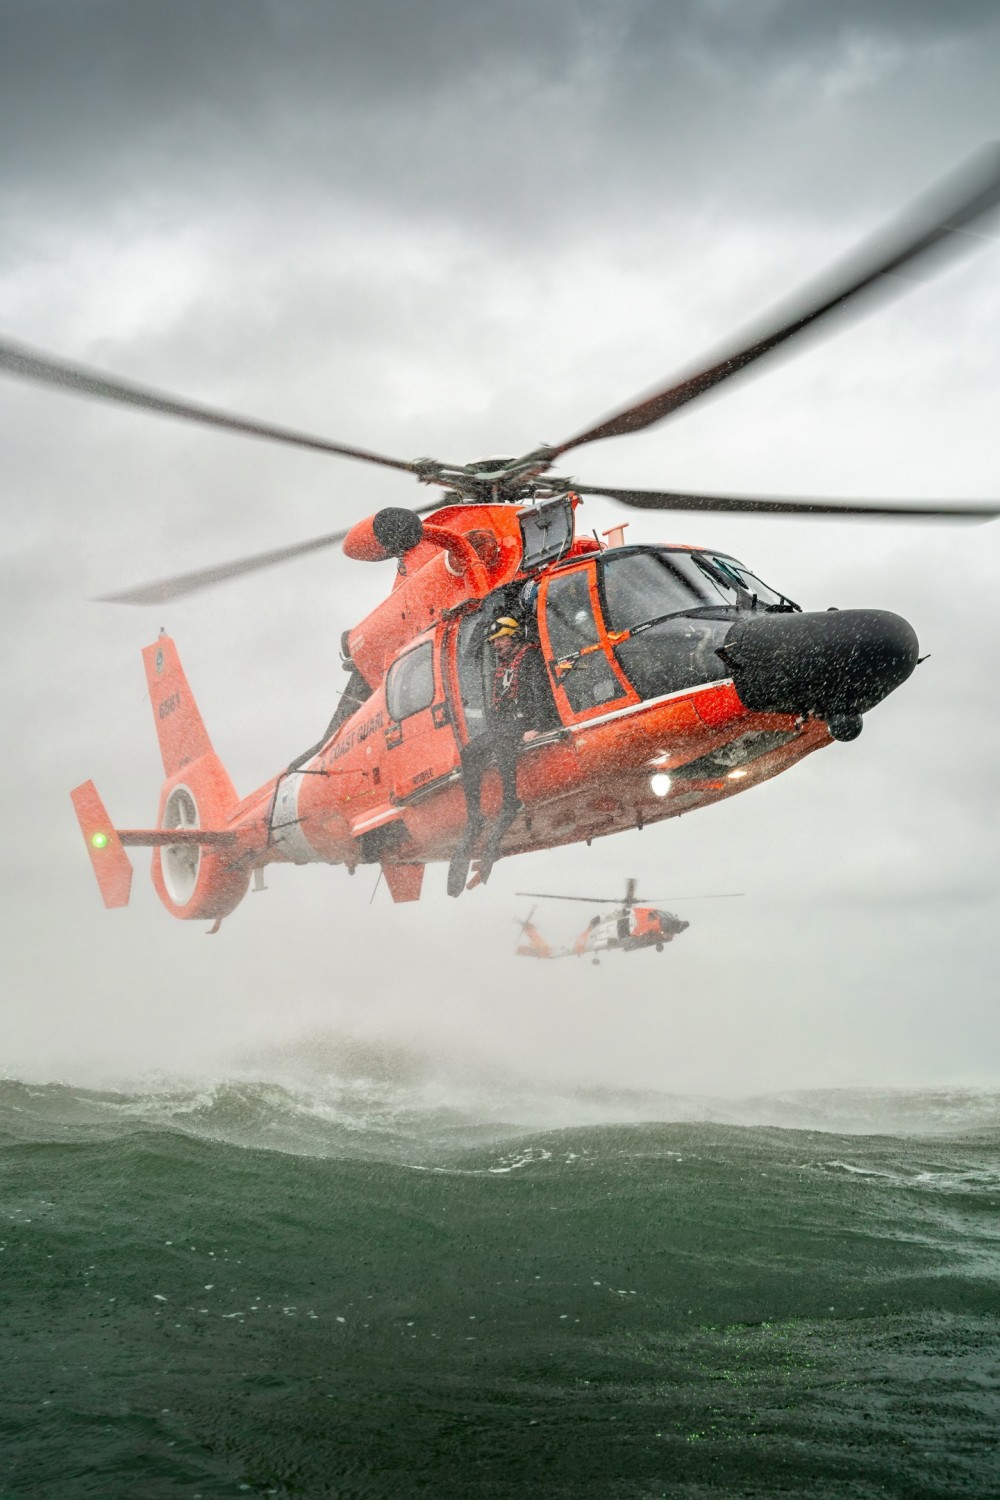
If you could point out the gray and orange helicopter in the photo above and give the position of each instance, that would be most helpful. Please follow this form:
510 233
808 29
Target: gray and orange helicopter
636 922
671 676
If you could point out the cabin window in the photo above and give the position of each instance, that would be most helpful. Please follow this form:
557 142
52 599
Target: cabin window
410 684
584 674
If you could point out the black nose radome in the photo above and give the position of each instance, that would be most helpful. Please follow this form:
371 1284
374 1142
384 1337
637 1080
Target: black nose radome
842 661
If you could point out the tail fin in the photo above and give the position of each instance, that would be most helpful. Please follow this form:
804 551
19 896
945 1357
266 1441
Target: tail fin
179 728
193 873
112 865
536 946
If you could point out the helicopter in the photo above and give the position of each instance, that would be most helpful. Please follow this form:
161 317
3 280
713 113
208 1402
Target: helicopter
675 677
633 924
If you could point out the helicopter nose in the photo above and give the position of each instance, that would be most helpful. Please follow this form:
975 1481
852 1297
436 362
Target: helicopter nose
837 664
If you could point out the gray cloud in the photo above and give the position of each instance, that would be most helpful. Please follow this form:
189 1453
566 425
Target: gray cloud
497 115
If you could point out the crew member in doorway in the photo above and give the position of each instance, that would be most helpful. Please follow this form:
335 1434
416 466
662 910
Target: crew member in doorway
511 703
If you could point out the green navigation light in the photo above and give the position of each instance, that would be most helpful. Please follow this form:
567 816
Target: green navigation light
99 840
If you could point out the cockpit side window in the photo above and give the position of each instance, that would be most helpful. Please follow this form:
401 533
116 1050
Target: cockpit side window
410 684
570 613
579 661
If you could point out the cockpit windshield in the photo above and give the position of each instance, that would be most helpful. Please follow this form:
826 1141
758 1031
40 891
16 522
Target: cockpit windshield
668 612
728 577
638 587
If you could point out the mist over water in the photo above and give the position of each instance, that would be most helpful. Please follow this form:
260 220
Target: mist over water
330 1094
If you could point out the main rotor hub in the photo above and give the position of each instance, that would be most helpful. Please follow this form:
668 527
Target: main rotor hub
495 481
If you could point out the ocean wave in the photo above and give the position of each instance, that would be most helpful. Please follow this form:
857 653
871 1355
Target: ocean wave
391 1283
409 1113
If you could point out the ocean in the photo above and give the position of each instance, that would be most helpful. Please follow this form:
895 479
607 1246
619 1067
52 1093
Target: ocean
369 1286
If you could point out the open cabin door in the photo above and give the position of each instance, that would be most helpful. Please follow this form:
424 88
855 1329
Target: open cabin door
420 738
467 652
585 677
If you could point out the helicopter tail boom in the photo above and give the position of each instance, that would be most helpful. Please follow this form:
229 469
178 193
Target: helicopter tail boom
532 944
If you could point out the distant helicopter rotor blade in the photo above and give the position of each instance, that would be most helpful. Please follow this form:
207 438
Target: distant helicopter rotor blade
960 510
936 221
32 364
179 584
631 900
705 896
553 896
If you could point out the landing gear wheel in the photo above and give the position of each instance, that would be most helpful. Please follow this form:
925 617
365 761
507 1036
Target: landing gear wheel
845 726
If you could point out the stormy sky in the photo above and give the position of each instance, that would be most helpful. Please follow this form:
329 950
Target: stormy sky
435 227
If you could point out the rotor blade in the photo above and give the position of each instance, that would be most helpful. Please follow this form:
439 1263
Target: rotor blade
934 221
709 896
550 896
32 364
960 510
634 901
203 578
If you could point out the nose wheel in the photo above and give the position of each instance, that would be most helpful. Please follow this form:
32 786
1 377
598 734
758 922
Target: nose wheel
845 726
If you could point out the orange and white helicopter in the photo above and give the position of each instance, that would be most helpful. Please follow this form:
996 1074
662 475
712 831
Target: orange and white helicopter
635 923
671 676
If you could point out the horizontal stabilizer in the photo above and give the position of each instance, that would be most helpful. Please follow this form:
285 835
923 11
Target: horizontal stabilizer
112 865
158 838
